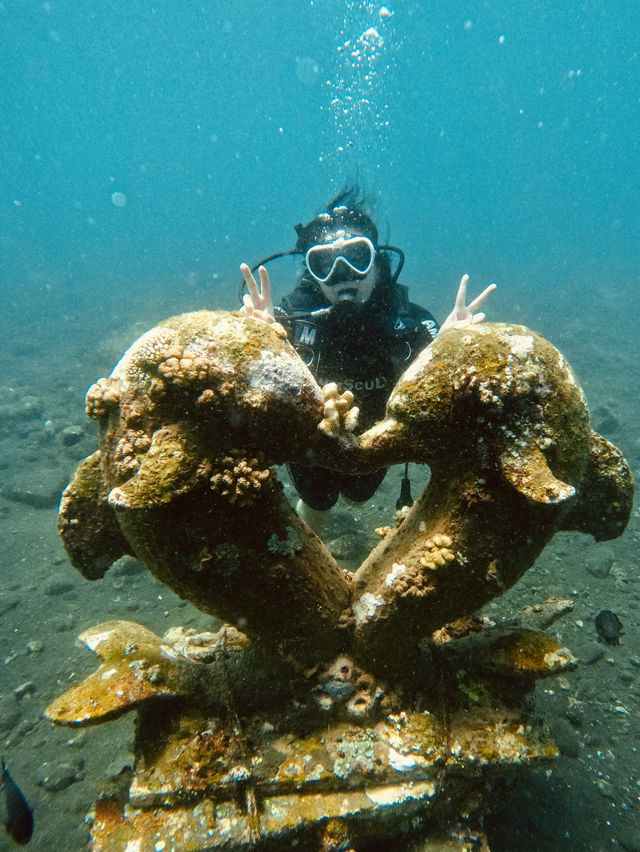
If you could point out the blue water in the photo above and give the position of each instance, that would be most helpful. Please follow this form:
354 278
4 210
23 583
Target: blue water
496 137
148 148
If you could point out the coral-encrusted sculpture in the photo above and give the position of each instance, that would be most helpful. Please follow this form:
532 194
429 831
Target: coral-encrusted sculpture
192 420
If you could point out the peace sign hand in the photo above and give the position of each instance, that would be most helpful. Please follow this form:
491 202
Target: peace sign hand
257 302
462 314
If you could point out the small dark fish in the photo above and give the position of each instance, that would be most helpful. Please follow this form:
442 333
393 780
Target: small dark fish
609 627
18 816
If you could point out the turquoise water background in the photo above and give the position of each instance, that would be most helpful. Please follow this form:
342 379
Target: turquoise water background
148 148
497 138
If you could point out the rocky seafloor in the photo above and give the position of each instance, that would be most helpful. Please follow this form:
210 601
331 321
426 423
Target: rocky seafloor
588 799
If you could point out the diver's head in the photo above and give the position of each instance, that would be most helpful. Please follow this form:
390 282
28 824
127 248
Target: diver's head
340 249
343 266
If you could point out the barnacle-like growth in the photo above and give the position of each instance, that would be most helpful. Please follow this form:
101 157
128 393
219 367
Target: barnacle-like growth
171 486
101 397
340 415
240 479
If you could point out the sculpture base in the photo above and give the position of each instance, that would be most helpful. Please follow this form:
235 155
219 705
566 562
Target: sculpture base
202 785
235 752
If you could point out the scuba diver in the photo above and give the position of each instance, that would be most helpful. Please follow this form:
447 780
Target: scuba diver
353 325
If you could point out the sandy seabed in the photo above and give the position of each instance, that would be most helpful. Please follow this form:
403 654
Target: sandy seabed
589 799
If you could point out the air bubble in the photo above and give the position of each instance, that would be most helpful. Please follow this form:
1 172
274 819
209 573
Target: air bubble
307 70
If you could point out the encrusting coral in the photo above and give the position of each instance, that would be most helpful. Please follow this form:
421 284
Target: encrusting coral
239 478
191 422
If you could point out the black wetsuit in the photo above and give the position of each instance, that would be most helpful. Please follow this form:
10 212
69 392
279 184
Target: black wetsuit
364 348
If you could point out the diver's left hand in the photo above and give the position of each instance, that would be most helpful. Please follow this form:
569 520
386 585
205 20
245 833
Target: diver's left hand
462 314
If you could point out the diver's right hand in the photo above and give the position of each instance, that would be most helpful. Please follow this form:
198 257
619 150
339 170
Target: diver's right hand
257 302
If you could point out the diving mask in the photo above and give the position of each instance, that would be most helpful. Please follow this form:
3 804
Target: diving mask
357 253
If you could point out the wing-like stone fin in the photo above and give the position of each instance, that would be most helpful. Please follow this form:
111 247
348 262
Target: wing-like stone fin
605 496
87 524
527 470
167 470
136 666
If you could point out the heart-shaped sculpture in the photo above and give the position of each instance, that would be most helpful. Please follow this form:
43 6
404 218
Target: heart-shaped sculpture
199 409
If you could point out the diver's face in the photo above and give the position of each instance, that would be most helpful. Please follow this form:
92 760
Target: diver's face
344 267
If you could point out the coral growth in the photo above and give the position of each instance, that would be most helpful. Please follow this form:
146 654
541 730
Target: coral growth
239 479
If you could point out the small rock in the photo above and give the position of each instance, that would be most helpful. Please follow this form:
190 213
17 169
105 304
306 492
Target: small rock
575 711
57 587
71 435
34 646
609 627
565 737
591 653
606 788
62 623
40 494
26 688
8 602
10 713
600 561
58 776
346 546
127 567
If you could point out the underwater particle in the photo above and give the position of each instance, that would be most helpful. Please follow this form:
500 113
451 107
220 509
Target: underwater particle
609 627
371 38
307 70
118 199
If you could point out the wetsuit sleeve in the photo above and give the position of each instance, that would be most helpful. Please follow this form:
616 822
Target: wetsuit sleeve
285 315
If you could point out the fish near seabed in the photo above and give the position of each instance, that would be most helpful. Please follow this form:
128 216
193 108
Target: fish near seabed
16 812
